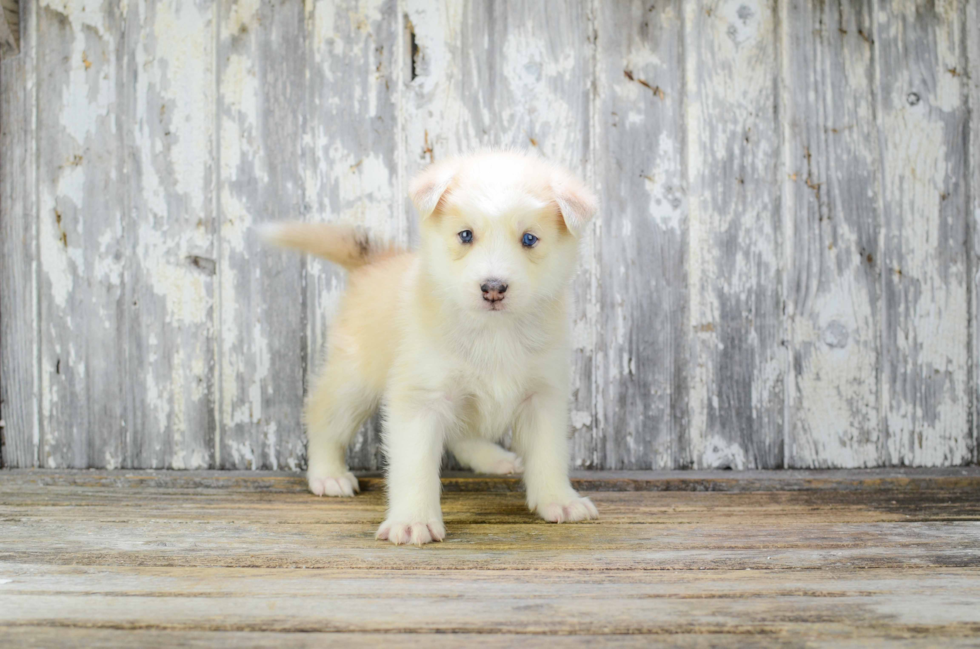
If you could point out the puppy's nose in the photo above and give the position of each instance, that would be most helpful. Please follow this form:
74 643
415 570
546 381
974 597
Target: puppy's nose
493 290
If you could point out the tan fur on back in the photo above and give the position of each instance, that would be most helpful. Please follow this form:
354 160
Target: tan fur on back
369 329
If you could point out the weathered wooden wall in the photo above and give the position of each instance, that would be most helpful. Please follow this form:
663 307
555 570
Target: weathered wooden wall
783 274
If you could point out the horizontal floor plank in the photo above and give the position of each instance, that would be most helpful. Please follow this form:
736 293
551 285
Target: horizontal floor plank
656 508
211 559
584 603
826 635
725 481
753 542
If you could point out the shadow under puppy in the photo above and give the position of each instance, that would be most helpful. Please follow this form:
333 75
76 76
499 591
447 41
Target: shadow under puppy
460 341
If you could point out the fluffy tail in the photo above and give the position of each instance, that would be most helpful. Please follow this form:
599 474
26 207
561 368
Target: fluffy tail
344 245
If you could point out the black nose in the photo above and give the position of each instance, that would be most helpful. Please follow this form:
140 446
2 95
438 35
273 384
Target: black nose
493 290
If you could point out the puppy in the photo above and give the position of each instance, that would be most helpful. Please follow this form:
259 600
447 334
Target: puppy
459 342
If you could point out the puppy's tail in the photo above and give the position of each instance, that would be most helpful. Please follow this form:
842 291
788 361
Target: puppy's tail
344 245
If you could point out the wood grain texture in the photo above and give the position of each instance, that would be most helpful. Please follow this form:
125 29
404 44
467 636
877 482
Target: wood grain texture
169 266
510 74
204 556
861 481
735 256
18 254
261 123
498 602
498 75
922 128
783 272
955 637
125 236
83 221
352 173
831 201
972 26
642 369
187 522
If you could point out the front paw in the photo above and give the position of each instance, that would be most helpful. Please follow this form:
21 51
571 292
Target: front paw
342 485
569 510
416 533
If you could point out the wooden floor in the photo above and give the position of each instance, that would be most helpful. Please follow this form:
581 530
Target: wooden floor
858 558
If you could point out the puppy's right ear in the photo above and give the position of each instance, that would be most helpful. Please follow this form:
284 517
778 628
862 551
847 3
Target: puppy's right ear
575 202
430 186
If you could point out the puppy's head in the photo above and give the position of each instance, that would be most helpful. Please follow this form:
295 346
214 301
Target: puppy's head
499 230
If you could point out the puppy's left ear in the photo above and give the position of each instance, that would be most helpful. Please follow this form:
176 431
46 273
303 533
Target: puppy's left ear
431 185
576 203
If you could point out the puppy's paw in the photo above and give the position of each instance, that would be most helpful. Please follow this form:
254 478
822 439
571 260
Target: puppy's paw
343 485
569 511
505 465
417 533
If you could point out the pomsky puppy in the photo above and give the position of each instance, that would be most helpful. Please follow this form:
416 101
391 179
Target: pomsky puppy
457 342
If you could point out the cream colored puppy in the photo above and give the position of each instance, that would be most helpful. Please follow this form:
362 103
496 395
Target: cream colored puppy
459 342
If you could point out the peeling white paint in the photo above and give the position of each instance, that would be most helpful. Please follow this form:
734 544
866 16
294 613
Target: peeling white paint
55 256
536 105
736 251
925 397
81 110
720 453
730 70
183 46
243 16
666 185
581 419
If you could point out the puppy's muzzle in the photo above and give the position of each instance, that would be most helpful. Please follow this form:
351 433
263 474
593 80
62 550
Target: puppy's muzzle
493 290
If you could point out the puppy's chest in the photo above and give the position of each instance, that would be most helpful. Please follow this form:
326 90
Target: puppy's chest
488 399
493 377
489 406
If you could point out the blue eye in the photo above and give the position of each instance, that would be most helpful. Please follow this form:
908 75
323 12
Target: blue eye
466 236
529 240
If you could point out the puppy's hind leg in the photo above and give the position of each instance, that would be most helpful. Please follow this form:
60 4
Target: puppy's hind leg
484 457
336 408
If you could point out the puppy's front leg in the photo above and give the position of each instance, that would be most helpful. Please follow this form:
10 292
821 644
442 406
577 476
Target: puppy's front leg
414 437
541 438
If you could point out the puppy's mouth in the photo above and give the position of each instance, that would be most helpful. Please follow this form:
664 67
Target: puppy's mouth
497 305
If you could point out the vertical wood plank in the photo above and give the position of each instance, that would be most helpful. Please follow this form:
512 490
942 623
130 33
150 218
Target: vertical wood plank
972 26
832 206
738 359
82 213
923 132
169 263
509 74
18 252
352 174
643 323
261 100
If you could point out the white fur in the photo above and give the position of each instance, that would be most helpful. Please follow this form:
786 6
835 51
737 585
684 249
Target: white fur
451 368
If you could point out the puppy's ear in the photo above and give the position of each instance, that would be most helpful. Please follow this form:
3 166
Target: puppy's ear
576 203
429 186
